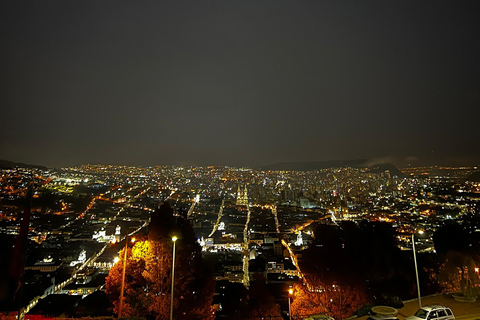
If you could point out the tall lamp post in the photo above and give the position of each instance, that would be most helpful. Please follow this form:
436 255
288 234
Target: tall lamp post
416 268
123 276
290 292
174 239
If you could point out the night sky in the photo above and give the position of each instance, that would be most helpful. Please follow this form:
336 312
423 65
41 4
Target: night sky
237 82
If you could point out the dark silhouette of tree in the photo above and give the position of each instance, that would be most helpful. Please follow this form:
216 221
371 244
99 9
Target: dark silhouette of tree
337 301
149 272
233 297
450 237
259 303
362 256
458 273
457 245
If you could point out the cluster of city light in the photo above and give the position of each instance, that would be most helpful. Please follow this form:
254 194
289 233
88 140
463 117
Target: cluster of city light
379 197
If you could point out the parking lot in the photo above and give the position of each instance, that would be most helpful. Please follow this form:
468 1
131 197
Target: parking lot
461 310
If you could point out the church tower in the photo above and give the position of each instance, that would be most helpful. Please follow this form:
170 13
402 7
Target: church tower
242 196
118 233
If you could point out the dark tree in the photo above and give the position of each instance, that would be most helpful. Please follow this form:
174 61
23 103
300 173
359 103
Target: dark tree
259 303
363 256
149 273
451 237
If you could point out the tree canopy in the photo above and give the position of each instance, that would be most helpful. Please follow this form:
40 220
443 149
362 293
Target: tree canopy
337 301
349 265
364 255
260 304
148 273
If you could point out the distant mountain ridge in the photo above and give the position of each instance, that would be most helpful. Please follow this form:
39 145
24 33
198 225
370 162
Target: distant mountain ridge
474 177
5 164
379 168
282 166
318 165
315 165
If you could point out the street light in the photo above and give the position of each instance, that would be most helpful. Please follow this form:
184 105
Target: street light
123 275
416 268
174 239
290 292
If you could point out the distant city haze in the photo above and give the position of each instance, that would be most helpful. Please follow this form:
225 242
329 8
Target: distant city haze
240 83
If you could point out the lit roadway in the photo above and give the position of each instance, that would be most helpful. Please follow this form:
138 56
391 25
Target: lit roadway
127 205
195 201
81 215
215 227
274 212
190 211
306 224
90 260
293 257
246 278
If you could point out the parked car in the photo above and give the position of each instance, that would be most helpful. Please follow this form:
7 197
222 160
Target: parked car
436 312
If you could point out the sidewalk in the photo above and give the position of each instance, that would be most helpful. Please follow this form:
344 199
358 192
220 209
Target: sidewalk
461 310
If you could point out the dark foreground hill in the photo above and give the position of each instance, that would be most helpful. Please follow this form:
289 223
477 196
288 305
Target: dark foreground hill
474 177
5 164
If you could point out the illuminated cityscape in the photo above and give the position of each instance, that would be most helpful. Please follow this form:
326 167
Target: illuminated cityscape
248 222
239 160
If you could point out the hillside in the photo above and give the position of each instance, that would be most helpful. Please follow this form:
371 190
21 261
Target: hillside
5 164
317 165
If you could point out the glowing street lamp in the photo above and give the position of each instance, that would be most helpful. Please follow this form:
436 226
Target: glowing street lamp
174 239
123 276
290 292
416 268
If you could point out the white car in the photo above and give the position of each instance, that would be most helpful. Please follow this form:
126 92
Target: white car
436 312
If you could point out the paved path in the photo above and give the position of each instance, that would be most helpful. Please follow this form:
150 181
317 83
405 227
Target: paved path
461 310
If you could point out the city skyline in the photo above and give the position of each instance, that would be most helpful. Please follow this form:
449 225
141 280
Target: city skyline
289 236
239 83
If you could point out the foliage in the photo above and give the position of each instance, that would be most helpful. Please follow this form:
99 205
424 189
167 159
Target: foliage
337 301
460 237
239 303
260 304
364 310
450 237
233 299
148 273
458 273
363 255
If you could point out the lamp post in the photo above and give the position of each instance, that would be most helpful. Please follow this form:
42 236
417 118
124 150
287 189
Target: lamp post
174 239
416 268
290 292
123 276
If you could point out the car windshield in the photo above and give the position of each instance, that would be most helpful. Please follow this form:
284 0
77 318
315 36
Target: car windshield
421 313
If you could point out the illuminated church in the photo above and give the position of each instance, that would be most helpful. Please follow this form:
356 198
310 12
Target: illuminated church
242 196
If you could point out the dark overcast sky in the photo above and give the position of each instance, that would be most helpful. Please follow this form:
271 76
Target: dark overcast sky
236 82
